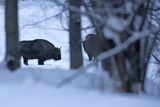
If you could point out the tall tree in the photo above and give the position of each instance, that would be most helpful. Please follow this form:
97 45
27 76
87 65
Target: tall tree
11 28
75 34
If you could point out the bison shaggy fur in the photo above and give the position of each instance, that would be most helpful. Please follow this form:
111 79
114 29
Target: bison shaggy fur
92 46
39 49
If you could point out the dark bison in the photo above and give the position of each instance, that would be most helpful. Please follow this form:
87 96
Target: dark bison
92 46
39 49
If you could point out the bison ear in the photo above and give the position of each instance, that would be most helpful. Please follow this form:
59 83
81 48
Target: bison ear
60 48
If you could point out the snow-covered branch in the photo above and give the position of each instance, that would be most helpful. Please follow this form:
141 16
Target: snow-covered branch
136 36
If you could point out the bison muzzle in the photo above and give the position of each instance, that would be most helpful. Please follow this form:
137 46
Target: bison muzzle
39 49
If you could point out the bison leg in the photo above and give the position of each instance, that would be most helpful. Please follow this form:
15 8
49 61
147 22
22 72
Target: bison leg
25 61
40 62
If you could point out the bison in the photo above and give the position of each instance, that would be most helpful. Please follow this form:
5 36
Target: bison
92 46
39 49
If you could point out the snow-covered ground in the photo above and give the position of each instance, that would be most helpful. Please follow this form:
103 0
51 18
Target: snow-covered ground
38 86
40 95
28 88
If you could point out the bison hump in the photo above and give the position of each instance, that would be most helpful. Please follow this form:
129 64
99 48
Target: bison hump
45 43
36 47
47 46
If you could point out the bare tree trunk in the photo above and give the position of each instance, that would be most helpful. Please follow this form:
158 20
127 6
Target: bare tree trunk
11 28
75 35
143 45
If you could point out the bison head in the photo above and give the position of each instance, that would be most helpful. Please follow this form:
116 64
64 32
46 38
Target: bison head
57 54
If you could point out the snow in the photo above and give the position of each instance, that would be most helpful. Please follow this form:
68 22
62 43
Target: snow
19 89
113 26
116 23
38 86
38 95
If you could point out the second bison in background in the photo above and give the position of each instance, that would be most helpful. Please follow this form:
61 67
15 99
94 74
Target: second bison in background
92 46
39 49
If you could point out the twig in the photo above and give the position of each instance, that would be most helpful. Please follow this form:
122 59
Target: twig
43 20
154 56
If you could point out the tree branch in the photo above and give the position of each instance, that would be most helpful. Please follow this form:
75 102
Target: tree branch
136 36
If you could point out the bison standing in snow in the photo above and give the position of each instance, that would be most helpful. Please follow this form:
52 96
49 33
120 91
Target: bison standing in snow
39 49
92 46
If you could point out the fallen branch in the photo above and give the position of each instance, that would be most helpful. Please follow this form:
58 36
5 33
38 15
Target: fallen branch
77 73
